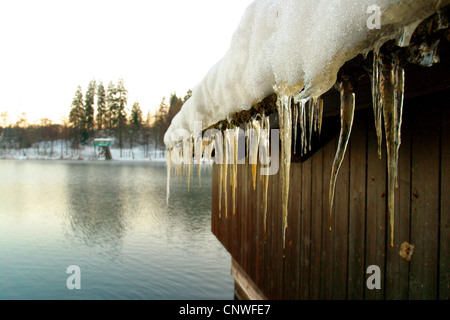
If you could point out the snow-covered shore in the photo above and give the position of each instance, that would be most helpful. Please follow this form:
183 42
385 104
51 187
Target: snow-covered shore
86 153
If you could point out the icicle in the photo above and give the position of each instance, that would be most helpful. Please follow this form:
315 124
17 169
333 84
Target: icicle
188 163
234 167
312 104
209 149
347 115
377 101
392 84
285 118
220 189
303 125
442 21
198 151
255 135
266 145
424 54
178 156
169 168
295 122
318 114
226 145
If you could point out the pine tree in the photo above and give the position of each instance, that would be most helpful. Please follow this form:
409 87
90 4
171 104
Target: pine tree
101 107
174 107
77 119
161 123
117 98
89 109
135 124
111 105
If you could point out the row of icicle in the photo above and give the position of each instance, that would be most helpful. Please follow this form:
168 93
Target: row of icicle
387 80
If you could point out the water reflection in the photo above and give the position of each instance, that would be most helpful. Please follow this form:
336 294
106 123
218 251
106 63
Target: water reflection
111 219
95 208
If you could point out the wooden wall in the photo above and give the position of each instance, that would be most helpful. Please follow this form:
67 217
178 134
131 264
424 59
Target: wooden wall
322 264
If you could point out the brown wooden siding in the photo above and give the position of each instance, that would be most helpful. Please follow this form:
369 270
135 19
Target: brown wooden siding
321 264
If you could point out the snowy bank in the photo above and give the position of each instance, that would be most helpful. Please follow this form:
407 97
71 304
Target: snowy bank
84 153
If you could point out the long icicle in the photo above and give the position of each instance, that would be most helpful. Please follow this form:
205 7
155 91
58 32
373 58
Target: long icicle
312 105
377 98
254 146
225 170
285 116
198 157
295 122
320 106
189 163
303 125
392 89
266 177
169 168
235 166
347 115
220 189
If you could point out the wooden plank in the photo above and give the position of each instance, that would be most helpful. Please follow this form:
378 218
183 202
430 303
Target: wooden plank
305 230
246 289
292 251
259 233
425 204
214 205
397 268
444 251
277 245
316 224
326 269
271 236
226 213
251 225
357 208
239 216
376 212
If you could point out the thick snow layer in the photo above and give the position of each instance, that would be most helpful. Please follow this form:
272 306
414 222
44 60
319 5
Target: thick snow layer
294 47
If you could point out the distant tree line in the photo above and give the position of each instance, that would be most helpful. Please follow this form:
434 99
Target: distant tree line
98 113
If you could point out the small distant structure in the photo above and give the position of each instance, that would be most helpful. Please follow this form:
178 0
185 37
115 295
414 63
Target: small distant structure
103 145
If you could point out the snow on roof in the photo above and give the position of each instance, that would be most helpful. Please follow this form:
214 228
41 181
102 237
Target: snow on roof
295 48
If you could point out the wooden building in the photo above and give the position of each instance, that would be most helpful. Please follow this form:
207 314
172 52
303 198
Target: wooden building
317 263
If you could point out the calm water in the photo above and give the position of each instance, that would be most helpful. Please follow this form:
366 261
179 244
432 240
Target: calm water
110 219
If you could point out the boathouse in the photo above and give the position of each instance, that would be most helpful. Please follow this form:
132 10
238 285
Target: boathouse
302 245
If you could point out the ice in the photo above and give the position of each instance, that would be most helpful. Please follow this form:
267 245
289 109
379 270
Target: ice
188 160
295 49
220 188
226 157
377 98
265 144
392 91
347 115
198 151
318 115
169 168
285 119
303 124
295 122
254 141
312 106
300 45
235 152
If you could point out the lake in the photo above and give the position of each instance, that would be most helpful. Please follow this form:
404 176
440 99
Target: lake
111 220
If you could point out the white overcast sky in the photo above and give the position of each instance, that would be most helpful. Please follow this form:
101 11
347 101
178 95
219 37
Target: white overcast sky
48 48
